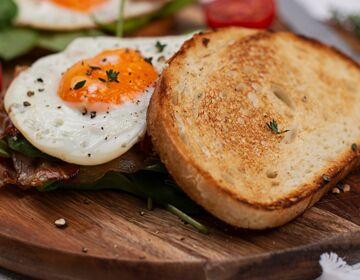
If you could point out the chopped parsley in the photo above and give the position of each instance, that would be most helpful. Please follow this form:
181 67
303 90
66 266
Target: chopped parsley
354 147
112 76
160 47
148 60
273 126
91 69
80 84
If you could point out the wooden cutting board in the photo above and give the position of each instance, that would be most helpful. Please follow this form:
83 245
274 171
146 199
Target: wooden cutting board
111 235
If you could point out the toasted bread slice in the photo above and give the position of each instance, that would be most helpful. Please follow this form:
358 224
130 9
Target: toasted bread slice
257 126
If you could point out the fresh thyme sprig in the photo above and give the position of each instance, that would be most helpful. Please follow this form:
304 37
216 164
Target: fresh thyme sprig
273 126
159 46
112 76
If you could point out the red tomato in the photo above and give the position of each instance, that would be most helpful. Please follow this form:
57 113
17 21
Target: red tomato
246 13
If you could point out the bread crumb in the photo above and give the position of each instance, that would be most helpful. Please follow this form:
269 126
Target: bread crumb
335 190
346 188
60 223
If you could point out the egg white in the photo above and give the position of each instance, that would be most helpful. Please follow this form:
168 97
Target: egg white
61 130
44 14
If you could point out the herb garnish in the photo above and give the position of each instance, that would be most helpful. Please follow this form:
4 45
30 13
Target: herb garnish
80 84
92 68
148 60
112 75
273 126
160 47
26 104
205 41
102 80
354 147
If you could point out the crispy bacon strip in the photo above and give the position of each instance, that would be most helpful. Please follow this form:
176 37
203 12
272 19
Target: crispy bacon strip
35 172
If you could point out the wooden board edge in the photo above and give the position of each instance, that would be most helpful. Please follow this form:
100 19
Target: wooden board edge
301 263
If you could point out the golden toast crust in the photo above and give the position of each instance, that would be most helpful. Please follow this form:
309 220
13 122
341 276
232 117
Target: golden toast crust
233 188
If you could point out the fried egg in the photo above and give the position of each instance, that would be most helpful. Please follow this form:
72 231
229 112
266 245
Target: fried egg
70 14
87 105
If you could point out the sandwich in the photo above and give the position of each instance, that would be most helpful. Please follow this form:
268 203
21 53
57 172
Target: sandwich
253 126
77 119
51 25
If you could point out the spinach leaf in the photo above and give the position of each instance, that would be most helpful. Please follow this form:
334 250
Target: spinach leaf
8 11
4 149
143 184
22 146
59 41
15 42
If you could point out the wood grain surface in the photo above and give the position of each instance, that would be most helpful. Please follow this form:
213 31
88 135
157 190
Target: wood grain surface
111 235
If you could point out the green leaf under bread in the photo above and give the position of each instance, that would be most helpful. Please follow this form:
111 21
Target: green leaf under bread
8 11
59 41
15 42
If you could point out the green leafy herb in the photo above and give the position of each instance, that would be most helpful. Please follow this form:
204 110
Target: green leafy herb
15 42
112 76
160 47
148 60
143 184
8 11
60 40
4 149
80 84
22 146
273 126
354 147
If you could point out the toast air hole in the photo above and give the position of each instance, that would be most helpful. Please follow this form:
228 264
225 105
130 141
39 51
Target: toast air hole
271 174
283 97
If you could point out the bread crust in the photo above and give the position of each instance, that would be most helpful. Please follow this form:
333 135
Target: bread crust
224 203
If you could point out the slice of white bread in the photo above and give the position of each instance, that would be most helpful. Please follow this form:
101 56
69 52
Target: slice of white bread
209 121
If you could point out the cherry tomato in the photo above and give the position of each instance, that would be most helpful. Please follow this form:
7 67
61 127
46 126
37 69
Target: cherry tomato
246 13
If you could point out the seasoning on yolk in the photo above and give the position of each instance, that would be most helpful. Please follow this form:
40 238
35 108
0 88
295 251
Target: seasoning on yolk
79 5
111 77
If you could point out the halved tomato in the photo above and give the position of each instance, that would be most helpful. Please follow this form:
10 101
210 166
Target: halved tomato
246 13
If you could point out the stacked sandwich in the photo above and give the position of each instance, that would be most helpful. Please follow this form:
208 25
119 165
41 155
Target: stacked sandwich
253 126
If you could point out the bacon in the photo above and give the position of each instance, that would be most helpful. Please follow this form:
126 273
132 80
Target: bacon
35 172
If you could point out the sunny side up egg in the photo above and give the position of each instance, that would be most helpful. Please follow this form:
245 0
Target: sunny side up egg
87 105
70 14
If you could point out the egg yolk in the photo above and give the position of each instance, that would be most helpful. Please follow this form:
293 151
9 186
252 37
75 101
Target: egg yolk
79 5
112 77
